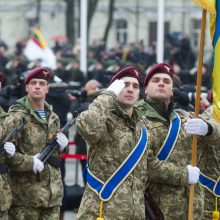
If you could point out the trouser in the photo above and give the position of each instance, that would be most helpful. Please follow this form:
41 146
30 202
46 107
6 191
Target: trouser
4 215
31 213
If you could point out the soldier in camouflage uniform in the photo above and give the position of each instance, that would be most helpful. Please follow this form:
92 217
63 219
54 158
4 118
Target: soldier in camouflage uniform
33 199
6 154
109 127
212 170
172 198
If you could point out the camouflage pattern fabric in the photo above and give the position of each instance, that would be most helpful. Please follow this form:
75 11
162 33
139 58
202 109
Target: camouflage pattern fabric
168 179
26 190
5 192
111 135
3 215
211 169
24 213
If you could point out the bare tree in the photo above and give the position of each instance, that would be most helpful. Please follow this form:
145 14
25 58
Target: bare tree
70 20
91 10
38 9
110 19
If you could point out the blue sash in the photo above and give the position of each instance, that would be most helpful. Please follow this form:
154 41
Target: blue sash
171 138
212 185
107 189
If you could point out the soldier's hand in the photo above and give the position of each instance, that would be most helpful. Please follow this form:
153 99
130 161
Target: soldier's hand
196 126
116 86
10 149
62 141
38 165
193 174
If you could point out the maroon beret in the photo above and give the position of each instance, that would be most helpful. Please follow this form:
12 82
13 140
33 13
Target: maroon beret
159 68
1 76
38 73
131 71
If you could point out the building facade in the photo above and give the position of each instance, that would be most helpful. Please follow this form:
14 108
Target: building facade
133 20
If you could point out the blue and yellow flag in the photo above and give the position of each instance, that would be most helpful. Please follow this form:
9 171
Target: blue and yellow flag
213 6
216 68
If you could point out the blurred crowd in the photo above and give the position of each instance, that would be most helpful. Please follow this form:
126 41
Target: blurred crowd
70 87
102 63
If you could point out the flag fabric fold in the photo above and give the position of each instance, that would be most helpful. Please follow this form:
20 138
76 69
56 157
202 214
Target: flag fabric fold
213 6
216 68
37 48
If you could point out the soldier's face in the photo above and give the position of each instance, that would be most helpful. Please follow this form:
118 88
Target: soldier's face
160 88
37 89
130 93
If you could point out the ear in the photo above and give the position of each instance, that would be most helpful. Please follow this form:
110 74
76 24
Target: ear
47 89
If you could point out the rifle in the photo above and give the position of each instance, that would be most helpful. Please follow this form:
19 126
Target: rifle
152 210
10 137
53 145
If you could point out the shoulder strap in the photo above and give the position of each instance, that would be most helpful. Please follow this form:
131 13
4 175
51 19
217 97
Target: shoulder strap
171 138
105 190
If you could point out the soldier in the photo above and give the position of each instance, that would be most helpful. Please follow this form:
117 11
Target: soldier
5 191
172 144
116 173
209 177
33 199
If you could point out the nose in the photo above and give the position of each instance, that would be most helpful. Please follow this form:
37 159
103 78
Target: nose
130 88
37 85
161 83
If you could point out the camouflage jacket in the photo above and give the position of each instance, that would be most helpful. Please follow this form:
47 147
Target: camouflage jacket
212 156
168 179
5 192
26 190
111 135
212 170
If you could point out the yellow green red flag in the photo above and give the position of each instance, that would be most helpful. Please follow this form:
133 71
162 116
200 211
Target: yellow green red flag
38 38
37 48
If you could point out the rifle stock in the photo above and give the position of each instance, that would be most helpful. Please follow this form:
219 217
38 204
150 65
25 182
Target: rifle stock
152 210
10 137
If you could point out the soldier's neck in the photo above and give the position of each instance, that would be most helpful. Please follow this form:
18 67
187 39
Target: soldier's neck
37 104
129 111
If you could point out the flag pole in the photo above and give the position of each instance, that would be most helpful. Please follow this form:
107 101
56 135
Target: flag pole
197 107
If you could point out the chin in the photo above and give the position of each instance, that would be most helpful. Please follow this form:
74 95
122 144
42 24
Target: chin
127 104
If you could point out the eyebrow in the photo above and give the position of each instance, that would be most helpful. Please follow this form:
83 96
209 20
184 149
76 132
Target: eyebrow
157 77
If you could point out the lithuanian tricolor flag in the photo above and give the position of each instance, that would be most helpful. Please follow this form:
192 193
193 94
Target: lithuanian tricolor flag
37 48
213 6
38 38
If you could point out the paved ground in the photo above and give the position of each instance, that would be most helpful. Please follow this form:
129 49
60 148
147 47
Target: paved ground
70 216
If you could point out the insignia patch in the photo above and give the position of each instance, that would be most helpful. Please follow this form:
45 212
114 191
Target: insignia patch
167 68
45 73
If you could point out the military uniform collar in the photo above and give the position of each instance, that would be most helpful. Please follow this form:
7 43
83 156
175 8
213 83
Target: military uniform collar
24 105
153 111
